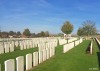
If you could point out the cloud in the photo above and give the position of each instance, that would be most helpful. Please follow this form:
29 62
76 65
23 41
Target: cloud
42 3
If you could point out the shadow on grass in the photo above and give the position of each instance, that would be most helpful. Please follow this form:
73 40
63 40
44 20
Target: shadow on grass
88 48
98 54
98 46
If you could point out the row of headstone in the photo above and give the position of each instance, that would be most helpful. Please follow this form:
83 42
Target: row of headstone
47 45
16 40
72 39
26 45
31 60
97 41
81 40
46 50
67 47
35 43
71 45
15 43
77 42
62 41
6 47
42 40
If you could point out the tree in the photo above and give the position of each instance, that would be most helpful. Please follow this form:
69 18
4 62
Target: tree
46 34
33 35
4 34
42 33
80 31
18 33
60 35
27 32
88 28
12 33
67 28
38 35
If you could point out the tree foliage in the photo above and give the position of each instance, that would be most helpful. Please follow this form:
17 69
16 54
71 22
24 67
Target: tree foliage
4 34
60 34
46 33
33 35
43 34
80 32
12 33
26 32
88 28
67 28
18 33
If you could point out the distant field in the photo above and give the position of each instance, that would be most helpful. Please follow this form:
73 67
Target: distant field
74 60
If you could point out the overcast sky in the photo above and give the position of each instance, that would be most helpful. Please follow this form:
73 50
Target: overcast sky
47 15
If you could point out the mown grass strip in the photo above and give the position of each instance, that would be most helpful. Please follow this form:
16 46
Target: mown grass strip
75 59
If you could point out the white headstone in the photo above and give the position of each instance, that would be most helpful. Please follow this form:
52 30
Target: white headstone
25 46
20 63
35 58
11 48
91 48
21 46
31 46
44 55
6 48
81 40
10 65
40 57
68 46
77 42
28 61
16 43
48 53
28 46
1 49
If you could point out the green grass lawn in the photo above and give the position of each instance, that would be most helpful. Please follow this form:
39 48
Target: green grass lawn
13 55
74 60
